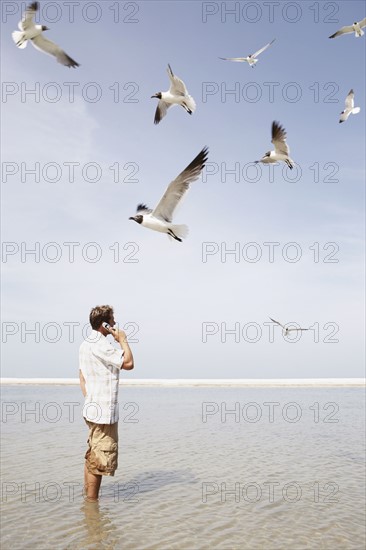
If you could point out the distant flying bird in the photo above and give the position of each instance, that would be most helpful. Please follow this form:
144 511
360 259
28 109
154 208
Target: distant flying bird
350 107
356 28
160 219
287 330
176 95
30 31
251 59
281 151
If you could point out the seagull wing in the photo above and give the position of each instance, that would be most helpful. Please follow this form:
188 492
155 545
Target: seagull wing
176 189
262 49
161 110
46 46
363 23
27 19
240 59
343 30
349 101
143 209
177 86
279 139
277 323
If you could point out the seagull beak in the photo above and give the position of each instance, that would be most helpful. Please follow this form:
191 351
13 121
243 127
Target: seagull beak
132 218
156 95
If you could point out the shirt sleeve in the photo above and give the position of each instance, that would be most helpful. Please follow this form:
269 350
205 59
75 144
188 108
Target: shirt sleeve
109 355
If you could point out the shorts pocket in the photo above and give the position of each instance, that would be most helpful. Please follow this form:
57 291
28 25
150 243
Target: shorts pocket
107 457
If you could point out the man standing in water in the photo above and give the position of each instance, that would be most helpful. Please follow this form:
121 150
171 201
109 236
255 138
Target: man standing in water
99 367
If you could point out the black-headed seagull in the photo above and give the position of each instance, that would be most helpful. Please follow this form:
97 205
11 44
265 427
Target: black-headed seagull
356 28
285 329
160 219
281 151
30 31
251 59
349 107
176 95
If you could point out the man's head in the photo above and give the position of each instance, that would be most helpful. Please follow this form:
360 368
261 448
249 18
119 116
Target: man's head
99 315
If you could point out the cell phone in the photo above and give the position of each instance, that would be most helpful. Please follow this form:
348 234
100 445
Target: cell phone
107 326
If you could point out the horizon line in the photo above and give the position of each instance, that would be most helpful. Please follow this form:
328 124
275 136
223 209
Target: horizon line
198 381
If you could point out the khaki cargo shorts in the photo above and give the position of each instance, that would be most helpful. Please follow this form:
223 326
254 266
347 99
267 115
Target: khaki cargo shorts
102 455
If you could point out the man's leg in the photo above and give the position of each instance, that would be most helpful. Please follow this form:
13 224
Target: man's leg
91 485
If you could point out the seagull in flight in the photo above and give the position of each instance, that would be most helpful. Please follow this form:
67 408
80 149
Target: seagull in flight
350 107
356 28
281 151
160 219
30 31
286 330
251 59
176 95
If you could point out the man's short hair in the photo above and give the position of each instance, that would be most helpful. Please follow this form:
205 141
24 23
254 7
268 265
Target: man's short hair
99 315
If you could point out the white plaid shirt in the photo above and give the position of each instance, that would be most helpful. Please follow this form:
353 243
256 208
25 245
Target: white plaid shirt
100 364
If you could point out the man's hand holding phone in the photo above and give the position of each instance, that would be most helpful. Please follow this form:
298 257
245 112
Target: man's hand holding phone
120 337
118 334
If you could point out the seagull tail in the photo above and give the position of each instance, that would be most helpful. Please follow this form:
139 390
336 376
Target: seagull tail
190 104
19 39
180 232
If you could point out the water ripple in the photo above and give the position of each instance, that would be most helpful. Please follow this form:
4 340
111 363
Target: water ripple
185 484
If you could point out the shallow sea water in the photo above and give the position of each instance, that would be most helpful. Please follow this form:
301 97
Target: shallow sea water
199 468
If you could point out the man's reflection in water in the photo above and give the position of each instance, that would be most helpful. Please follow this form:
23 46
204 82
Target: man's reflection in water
100 530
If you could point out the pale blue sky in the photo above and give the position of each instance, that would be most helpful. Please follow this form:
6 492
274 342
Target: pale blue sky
169 292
